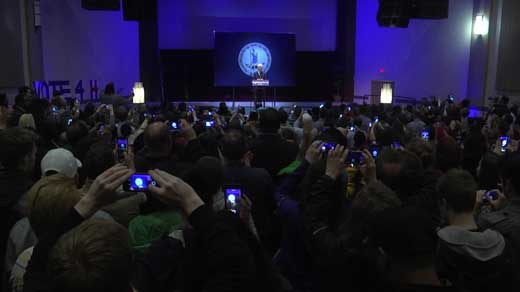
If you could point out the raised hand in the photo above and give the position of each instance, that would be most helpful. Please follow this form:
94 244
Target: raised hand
368 170
314 153
336 161
173 191
102 190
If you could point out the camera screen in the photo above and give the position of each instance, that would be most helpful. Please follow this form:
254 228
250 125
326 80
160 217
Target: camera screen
504 142
425 135
374 150
140 182
355 158
69 122
232 196
122 144
326 147
209 124
174 125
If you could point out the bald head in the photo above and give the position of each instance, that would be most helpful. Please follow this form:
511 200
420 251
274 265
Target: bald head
157 138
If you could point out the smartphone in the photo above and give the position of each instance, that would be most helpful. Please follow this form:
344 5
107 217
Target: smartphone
101 129
355 158
349 109
504 142
374 150
370 124
425 135
326 147
451 98
54 109
139 182
209 124
352 128
232 196
376 119
122 147
492 195
69 121
396 145
322 105
175 125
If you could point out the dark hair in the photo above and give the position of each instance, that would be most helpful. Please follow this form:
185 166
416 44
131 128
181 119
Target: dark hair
402 171
157 136
511 171
233 145
359 139
110 88
17 143
489 173
283 116
94 256
76 131
206 178
423 150
99 158
269 120
459 189
447 154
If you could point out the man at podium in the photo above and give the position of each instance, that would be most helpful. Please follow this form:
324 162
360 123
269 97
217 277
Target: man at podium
259 74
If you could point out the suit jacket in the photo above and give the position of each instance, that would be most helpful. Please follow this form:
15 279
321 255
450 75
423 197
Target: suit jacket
259 75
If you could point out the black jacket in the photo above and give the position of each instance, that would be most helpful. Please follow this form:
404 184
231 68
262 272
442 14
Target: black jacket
259 187
272 153
220 254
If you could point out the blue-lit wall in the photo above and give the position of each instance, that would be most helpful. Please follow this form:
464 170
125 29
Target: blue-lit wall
189 24
430 57
82 45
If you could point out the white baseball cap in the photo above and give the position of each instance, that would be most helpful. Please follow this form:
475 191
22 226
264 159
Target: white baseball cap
62 161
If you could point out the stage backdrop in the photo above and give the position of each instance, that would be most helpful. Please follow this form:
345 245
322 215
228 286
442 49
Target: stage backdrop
237 54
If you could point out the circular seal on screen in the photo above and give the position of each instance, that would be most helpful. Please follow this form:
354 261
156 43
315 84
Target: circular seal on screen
253 54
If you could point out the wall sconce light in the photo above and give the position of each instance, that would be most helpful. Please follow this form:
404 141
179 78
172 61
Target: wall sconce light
481 25
138 92
386 93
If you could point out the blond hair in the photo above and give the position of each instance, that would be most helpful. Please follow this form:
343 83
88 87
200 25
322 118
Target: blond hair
27 121
94 256
49 201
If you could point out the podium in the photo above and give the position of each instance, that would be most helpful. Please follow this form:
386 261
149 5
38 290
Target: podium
260 83
259 86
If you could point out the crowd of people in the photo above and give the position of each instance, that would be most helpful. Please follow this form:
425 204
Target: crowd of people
124 197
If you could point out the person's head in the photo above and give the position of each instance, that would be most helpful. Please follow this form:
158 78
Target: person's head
447 154
488 171
60 161
58 101
94 256
49 201
407 238
511 175
402 171
19 100
360 139
206 178
457 190
260 67
99 158
27 121
423 150
269 120
121 113
284 117
18 149
110 89
234 146
76 131
157 138
372 199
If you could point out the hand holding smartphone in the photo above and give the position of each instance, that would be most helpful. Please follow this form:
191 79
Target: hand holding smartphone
139 182
232 198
